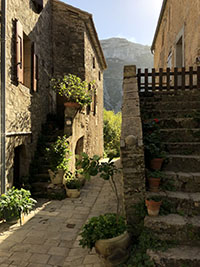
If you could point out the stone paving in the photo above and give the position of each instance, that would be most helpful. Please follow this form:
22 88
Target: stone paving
50 235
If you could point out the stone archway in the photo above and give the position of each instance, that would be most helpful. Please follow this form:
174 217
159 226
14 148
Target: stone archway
79 147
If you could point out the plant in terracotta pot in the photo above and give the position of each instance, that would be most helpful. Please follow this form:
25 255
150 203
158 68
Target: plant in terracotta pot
154 179
58 157
72 185
153 205
73 89
15 203
107 232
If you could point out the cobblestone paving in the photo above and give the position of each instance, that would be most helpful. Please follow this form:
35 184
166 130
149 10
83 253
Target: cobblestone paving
49 236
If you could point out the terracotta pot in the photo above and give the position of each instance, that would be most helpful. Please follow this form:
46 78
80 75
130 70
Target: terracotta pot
73 193
56 178
156 163
153 207
154 184
114 251
72 105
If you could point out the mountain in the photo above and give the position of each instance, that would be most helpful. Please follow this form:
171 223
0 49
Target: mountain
119 52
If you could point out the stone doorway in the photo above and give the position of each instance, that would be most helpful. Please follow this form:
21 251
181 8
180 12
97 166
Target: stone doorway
20 165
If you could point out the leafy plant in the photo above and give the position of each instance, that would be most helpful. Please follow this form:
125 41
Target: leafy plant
73 88
58 154
155 174
15 202
101 227
89 166
71 181
112 132
155 198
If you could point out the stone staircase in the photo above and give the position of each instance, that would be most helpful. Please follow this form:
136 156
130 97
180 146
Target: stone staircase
179 118
39 176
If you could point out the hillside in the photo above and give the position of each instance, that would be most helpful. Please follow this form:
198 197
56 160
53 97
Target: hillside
119 52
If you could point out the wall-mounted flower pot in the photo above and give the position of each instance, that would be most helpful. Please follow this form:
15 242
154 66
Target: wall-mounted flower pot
156 163
72 105
153 184
153 207
114 251
73 193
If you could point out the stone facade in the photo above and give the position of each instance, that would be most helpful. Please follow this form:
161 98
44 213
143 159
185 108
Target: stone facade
176 41
132 153
65 41
26 110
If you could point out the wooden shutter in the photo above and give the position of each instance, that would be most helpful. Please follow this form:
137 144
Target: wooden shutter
19 52
34 69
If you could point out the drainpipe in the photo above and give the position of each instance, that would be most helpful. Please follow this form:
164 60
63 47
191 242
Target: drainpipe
3 89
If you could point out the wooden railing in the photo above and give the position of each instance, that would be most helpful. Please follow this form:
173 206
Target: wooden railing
166 81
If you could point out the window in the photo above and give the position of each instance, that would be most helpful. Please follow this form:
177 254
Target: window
38 5
99 76
26 59
93 62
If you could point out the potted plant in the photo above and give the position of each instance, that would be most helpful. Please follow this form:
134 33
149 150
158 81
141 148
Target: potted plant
58 158
107 232
157 159
154 179
73 89
72 185
15 203
153 205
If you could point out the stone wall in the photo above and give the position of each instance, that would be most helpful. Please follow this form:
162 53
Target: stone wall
70 31
132 153
179 17
26 110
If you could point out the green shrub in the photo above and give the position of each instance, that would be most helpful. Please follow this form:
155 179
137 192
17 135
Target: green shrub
112 133
101 227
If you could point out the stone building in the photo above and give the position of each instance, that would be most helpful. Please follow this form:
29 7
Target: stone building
45 38
176 41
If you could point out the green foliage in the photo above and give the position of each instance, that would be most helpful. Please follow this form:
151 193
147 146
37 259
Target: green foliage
57 154
89 166
71 181
14 202
112 132
101 227
73 88
156 174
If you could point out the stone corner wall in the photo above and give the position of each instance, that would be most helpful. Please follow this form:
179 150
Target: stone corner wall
132 152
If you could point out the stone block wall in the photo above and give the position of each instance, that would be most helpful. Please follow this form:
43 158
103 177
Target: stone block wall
26 110
178 16
132 152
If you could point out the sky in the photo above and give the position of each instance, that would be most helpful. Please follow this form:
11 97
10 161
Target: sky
134 20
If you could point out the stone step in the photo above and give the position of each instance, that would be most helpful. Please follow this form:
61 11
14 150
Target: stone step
153 104
183 148
184 230
181 181
180 135
42 177
175 123
39 187
182 163
183 203
180 256
165 113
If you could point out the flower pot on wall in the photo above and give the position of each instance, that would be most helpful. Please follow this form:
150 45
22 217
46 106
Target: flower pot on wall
156 163
72 105
153 207
154 184
114 251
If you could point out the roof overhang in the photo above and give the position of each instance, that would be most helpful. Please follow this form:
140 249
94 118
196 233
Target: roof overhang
158 25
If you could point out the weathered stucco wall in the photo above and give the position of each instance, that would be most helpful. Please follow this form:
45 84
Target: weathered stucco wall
26 110
132 153
178 16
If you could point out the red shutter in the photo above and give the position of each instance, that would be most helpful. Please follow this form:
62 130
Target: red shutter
19 52
34 67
